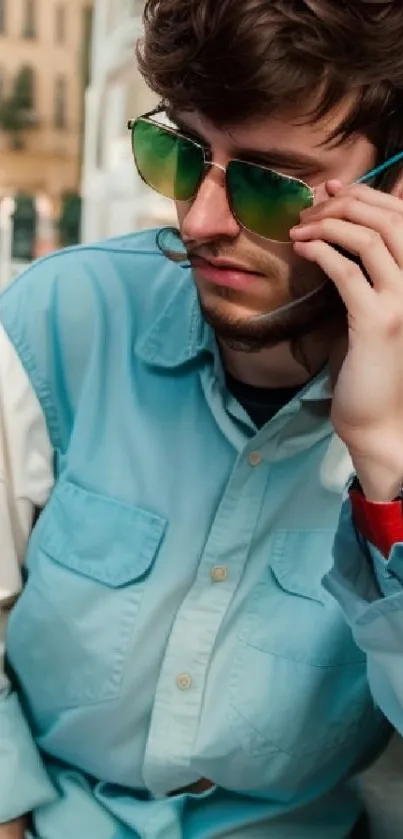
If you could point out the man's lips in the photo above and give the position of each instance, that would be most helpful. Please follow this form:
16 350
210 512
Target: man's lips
224 273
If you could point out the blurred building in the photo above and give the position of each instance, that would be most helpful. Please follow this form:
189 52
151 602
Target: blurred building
43 55
115 200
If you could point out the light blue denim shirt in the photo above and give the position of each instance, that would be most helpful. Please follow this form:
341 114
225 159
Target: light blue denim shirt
174 625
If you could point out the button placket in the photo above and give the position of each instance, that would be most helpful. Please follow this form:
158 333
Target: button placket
178 703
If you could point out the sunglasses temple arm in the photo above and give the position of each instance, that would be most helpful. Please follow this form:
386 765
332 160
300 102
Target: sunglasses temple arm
374 172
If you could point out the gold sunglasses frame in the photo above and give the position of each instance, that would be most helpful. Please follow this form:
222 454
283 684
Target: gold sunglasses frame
208 164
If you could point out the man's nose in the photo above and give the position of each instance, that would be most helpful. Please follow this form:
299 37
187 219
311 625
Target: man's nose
209 216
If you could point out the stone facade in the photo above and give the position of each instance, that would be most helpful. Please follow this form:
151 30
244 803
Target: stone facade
48 39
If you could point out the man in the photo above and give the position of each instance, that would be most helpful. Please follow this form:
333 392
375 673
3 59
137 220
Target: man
210 630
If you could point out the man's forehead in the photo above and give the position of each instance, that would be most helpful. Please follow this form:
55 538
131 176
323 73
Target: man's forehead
292 136
300 125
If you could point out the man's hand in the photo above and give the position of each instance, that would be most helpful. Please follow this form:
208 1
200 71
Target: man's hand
13 830
367 410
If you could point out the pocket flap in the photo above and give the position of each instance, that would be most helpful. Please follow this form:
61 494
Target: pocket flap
99 537
300 559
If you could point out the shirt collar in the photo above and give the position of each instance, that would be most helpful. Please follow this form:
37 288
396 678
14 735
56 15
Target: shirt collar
179 334
319 389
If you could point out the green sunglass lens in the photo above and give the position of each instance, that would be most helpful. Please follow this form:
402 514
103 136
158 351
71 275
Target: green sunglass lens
265 202
171 165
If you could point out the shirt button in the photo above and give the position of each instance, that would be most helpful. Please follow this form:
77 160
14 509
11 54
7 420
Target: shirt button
184 681
219 573
255 459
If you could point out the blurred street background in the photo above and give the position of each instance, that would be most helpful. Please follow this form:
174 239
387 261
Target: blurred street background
68 85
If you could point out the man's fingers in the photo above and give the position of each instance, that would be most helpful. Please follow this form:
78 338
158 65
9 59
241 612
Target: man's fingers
348 278
360 241
360 192
384 224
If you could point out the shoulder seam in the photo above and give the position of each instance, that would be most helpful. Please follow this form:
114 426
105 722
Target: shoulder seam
102 248
42 391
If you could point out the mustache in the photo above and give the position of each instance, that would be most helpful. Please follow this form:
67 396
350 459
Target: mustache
182 250
254 262
302 293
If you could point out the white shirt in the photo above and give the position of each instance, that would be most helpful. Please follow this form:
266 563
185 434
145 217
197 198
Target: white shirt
26 473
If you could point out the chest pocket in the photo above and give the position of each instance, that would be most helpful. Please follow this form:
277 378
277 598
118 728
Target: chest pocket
73 628
299 682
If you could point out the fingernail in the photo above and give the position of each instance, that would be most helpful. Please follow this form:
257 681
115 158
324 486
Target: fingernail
334 185
299 230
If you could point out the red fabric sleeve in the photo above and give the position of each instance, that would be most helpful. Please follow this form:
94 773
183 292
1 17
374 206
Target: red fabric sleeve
379 523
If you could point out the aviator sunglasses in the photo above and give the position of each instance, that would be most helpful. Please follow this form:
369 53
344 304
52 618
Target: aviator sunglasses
263 201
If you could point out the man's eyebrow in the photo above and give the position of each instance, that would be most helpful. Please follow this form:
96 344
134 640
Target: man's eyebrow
286 158
281 158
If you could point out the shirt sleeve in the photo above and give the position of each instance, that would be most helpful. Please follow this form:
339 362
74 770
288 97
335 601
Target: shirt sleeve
369 589
26 479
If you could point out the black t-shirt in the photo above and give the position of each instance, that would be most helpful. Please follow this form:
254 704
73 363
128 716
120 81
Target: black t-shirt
261 403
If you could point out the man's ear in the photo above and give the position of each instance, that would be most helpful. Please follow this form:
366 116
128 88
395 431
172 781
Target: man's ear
397 190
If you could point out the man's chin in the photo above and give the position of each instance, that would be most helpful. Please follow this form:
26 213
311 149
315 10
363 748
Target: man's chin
228 306
254 330
241 329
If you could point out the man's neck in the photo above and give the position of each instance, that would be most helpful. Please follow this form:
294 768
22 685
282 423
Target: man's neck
276 367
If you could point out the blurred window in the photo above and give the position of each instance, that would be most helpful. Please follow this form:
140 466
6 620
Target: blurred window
60 102
2 16
29 19
60 23
24 88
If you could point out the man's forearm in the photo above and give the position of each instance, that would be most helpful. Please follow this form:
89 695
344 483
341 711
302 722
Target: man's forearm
14 830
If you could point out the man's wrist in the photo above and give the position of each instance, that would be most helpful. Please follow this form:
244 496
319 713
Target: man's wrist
380 483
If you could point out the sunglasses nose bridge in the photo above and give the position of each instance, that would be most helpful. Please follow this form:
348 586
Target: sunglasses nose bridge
216 165
208 166
210 214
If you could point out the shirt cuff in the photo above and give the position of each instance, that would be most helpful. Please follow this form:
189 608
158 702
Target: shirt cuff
24 783
380 523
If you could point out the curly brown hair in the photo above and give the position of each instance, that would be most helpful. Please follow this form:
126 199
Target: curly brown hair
233 59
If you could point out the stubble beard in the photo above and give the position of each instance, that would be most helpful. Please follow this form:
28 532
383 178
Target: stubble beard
318 314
